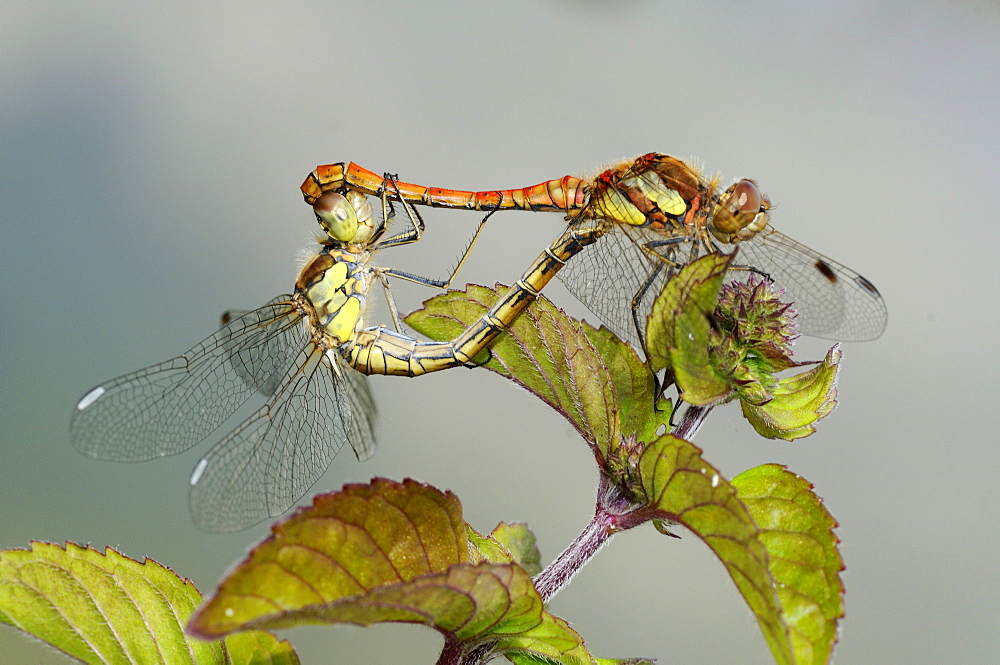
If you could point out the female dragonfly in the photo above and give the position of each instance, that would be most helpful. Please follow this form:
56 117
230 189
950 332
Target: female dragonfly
304 354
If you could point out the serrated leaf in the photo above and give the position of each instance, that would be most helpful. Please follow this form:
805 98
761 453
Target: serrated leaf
484 549
345 545
107 608
633 386
679 485
590 376
550 641
257 647
544 351
804 561
507 543
798 401
390 552
677 331
531 659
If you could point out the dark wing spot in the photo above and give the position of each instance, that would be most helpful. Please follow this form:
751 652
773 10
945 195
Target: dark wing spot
827 271
867 287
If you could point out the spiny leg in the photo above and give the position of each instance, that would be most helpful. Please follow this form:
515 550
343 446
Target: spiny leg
381 351
661 263
444 283
417 227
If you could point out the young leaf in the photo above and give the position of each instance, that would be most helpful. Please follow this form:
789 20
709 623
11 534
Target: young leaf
518 544
391 552
632 384
551 640
798 401
256 647
107 608
797 531
679 328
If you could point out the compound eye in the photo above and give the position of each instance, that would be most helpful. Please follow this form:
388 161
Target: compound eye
738 209
337 216
745 197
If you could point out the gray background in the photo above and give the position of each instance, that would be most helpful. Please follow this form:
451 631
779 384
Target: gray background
149 169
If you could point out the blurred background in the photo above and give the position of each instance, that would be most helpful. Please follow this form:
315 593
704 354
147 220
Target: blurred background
150 160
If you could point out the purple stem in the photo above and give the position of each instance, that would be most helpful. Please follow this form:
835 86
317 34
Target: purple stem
691 422
610 517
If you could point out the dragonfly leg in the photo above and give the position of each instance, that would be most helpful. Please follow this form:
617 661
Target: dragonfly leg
413 234
444 283
393 310
417 226
381 351
660 262
636 304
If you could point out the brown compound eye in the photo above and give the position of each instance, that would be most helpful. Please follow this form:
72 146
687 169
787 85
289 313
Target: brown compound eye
738 209
745 197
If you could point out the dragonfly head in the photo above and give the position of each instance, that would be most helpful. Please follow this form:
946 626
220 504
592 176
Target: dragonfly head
740 213
346 217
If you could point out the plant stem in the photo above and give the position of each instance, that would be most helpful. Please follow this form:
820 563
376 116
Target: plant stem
691 422
567 564
451 653
607 520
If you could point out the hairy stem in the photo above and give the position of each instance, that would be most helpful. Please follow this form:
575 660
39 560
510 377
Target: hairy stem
451 653
607 520
691 422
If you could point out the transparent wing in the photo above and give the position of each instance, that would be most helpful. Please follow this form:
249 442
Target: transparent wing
832 301
167 408
265 465
609 274
364 414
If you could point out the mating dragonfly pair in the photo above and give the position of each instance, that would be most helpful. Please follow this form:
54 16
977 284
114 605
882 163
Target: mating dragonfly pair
305 353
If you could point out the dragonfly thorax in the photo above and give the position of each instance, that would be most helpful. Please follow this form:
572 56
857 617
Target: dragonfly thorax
346 218
657 191
740 213
332 288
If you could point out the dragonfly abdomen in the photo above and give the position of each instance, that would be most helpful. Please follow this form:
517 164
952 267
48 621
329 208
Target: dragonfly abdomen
564 194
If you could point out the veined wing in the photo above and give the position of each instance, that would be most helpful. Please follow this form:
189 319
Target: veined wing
609 274
832 301
167 408
265 465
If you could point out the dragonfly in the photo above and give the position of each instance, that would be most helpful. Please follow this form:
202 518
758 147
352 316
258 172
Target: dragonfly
653 215
306 355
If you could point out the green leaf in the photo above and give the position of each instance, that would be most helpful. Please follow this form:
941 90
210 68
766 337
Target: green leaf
257 647
518 539
391 552
107 608
345 545
798 401
590 376
633 386
531 659
550 641
679 328
682 487
544 351
804 561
